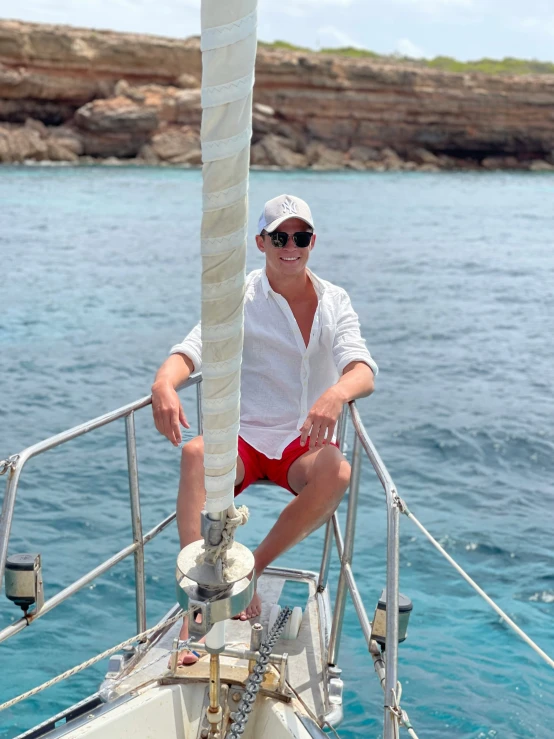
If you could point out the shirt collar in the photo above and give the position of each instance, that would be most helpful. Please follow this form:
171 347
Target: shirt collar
266 287
316 282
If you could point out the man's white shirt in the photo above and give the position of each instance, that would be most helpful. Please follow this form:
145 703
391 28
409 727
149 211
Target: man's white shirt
281 378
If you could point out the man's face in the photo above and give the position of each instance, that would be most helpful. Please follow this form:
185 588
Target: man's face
290 259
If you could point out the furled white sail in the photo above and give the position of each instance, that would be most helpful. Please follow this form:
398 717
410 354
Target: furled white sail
228 59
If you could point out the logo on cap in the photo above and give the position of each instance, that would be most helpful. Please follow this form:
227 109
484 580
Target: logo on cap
289 207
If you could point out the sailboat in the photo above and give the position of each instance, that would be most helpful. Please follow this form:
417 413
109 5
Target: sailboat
279 676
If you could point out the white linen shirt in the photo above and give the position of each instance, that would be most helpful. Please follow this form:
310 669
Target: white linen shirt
281 378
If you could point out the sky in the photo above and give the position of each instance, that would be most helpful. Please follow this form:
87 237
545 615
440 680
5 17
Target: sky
465 29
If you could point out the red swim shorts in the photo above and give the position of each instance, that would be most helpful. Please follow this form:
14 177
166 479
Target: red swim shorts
259 467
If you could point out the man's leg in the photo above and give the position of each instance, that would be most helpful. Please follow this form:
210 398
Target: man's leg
190 502
320 478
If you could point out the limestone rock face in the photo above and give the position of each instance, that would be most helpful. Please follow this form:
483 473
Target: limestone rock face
67 139
20 144
323 158
57 152
130 95
56 55
118 114
177 145
539 165
277 151
404 106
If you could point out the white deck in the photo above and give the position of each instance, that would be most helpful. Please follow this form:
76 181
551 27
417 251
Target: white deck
305 674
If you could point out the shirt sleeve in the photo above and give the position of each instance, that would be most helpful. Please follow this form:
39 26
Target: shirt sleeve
191 347
349 346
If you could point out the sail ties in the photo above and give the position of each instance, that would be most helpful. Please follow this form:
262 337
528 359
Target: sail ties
235 517
228 47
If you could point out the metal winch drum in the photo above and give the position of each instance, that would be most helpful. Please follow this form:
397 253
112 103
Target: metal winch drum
211 595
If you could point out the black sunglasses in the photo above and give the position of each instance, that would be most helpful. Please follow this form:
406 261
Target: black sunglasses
280 239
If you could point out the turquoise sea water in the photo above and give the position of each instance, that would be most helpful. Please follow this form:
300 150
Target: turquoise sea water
453 278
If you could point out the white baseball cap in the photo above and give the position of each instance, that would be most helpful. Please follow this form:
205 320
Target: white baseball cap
280 209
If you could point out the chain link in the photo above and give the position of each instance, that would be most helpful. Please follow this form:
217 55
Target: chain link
8 464
240 717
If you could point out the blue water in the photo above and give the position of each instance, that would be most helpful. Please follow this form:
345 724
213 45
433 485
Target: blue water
453 278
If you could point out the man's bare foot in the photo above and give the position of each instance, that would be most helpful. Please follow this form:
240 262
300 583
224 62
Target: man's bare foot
186 656
251 611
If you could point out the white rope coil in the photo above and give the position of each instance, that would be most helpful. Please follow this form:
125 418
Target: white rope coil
212 553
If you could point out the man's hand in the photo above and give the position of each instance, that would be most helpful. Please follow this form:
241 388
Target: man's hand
168 411
320 423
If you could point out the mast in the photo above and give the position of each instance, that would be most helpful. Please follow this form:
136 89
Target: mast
228 58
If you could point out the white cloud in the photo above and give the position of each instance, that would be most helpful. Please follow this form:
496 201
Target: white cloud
433 7
293 11
544 26
319 3
405 47
330 37
302 8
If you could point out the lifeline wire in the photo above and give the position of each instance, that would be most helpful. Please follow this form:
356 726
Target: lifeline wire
309 710
479 590
89 663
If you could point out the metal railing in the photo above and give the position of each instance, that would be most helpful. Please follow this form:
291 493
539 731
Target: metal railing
346 577
345 548
345 552
14 470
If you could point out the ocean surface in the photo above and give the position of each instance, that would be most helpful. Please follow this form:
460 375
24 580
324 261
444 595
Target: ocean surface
452 275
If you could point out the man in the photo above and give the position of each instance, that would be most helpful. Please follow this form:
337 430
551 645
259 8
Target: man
303 359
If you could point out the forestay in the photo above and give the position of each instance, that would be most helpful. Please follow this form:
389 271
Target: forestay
228 58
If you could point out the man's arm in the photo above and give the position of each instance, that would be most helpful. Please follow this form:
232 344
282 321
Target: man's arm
184 358
357 370
176 369
357 381
166 406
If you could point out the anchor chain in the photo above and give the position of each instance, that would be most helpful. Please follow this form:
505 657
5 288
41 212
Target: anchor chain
241 715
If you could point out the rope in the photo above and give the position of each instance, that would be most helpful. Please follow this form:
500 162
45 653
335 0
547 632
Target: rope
310 712
479 590
211 552
89 663
401 715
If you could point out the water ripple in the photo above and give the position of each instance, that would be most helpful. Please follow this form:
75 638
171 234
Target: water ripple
454 295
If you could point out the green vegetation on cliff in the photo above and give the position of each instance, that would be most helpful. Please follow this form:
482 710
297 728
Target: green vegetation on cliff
508 65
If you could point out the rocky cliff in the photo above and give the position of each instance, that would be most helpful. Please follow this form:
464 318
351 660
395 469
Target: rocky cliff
69 94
